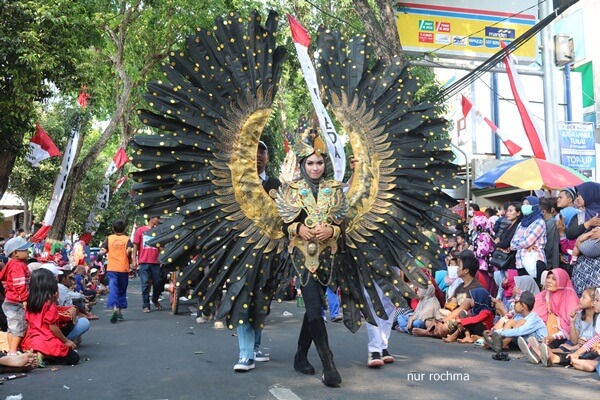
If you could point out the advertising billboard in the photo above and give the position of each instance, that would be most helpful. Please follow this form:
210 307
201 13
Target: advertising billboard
578 147
466 29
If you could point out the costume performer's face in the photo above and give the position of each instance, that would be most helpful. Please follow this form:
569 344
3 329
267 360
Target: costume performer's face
314 166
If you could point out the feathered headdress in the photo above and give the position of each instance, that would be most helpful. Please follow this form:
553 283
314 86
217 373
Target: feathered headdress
309 142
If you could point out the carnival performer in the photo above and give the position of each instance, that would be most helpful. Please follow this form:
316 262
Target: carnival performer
312 209
200 171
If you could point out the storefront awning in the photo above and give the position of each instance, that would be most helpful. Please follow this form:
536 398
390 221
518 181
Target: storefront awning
10 212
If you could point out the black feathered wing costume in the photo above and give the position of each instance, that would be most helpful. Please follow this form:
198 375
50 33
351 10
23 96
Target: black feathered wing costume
401 169
224 229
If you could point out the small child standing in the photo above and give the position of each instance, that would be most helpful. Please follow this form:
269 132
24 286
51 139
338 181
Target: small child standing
15 278
43 333
119 249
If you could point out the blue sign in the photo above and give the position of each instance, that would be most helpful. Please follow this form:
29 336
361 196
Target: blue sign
492 43
475 41
500 33
578 147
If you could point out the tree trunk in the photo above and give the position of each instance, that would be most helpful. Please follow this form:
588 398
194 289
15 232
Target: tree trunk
382 32
7 162
59 227
26 216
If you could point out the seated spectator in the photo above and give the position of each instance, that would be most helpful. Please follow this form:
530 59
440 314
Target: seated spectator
18 362
43 334
525 323
474 316
468 265
525 283
585 358
68 297
508 287
582 330
560 299
424 314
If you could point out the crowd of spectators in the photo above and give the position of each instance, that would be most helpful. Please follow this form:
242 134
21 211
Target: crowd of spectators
47 294
526 277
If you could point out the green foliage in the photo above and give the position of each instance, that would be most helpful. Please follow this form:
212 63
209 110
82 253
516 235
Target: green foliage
53 48
36 184
42 45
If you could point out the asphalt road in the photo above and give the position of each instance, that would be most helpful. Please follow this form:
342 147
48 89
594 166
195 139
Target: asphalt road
161 356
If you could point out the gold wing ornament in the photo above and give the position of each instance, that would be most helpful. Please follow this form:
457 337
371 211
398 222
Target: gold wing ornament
223 229
402 166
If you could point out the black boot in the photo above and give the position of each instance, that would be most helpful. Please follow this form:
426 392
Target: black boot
301 363
319 335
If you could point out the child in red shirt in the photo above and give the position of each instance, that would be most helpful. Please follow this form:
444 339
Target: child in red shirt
15 278
43 333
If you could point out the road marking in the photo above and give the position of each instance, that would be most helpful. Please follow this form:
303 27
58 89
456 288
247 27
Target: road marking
283 394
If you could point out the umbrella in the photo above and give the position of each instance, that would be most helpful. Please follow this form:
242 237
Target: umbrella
530 174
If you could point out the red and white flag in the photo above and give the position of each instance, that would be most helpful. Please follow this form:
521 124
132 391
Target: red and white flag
335 147
120 183
533 132
511 146
120 159
41 147
59 185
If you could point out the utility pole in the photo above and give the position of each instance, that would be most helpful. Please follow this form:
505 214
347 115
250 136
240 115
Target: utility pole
550 99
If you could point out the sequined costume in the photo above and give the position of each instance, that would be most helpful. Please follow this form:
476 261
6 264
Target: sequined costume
200 170
297 205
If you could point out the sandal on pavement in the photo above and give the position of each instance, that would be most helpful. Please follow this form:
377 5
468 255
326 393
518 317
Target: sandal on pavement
502 356
146 309
158 306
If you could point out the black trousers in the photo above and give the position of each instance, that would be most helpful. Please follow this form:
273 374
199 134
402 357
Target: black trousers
71 358
314 299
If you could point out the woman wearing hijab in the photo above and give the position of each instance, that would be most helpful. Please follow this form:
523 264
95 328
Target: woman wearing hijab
529 240
312 209
586 271
426 310
560 299
513 215
525 284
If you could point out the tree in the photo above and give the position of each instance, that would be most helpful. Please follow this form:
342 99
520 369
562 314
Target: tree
42 45
138 36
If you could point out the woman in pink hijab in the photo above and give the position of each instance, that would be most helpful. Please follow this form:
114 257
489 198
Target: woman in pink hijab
562 300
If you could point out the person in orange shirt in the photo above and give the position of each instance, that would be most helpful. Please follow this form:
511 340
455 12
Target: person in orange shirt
118 247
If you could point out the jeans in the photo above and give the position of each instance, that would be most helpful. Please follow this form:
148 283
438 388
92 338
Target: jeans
403 323
117 285
80 328
333 303
147 272
248 340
